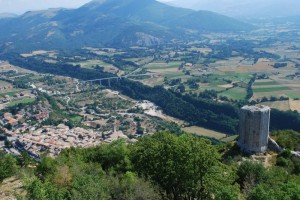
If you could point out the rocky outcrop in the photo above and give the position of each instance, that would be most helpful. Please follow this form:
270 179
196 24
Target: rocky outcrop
272 145
295 154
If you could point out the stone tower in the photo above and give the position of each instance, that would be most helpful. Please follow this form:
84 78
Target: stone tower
254 128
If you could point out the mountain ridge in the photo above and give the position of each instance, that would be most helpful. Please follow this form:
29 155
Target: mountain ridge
110 22
245 8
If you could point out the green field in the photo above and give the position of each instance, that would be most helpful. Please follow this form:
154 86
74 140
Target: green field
265 83
140 61
76 119
11 93
24 101
236 93
294 96
90 63
163 65
270 89
204 132
230 138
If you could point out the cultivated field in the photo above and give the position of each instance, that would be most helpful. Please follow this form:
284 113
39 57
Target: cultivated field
4 84
295 105
204 132
280 105
90 64
276 86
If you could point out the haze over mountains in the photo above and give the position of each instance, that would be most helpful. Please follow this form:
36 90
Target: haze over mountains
244 8
7 15
111 22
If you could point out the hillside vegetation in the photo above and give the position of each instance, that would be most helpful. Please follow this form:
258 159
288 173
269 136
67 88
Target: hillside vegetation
163 166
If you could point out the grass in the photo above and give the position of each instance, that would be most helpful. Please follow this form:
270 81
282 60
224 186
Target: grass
204 132
172 76
273 89
230 138
89 63
12 93
265 83
4 83
76 119
236 93
164 67
24 101
242 76
293 96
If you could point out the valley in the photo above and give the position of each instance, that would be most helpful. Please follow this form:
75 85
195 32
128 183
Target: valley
216 69
223 63
137 99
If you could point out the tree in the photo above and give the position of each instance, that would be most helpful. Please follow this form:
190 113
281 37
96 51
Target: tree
8 166
24 159
287 191
183 167
44 191
250 174
46 167
181 88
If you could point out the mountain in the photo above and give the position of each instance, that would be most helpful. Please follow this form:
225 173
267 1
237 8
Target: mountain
245 8
110 22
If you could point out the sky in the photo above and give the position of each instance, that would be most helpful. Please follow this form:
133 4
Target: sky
233 8
21 6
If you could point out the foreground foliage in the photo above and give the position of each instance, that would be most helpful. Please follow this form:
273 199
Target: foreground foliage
162 166
184 167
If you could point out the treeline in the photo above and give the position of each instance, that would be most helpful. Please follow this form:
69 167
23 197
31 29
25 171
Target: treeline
279 65
162 166
120 63
285 120
249 88
60 69
213 115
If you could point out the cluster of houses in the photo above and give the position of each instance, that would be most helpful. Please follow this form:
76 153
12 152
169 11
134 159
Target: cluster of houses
53 139
50 139
14 125
12 120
